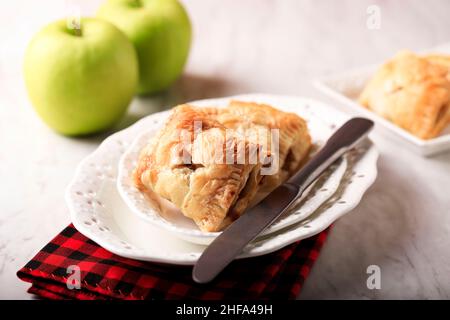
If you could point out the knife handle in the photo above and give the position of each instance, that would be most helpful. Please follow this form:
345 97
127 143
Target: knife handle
345 138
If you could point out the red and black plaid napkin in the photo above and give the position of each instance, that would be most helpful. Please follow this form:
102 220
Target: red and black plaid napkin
104 275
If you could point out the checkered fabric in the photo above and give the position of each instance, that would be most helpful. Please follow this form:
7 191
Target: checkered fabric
104 275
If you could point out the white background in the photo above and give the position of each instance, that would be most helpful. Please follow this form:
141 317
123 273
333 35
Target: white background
402 223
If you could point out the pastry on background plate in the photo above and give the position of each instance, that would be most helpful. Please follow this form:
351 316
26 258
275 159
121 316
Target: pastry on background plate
413 92
187 162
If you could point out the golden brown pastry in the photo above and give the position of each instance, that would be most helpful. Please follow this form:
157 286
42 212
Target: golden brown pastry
413 92
439 59
257 120
209 189
294 138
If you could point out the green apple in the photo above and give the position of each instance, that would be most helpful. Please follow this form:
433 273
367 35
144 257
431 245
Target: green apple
161 33
80 80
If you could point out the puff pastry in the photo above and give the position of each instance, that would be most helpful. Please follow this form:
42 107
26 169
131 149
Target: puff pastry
413 92
215 193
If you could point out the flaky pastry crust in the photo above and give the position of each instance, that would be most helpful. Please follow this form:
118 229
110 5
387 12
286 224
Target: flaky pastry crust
215 193
413 92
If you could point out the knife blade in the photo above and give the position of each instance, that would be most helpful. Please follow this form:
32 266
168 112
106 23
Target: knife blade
233 239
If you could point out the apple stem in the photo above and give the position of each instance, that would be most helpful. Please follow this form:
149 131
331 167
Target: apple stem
76 27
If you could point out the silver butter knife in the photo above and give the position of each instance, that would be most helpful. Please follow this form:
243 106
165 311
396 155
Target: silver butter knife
233 239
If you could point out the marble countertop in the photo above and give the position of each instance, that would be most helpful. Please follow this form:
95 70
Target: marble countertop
402 224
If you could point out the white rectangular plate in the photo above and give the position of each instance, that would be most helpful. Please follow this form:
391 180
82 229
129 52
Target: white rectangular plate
347 86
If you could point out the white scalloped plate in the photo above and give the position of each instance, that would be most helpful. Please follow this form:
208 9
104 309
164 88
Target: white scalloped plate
184 227
98 211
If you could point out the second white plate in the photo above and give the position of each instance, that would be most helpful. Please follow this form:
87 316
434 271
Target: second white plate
347 86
